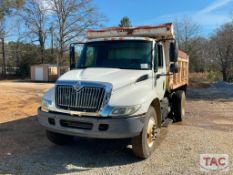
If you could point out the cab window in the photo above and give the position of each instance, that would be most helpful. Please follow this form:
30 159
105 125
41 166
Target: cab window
160 55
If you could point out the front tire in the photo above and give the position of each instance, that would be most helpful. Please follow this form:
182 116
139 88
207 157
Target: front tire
144 144
179 100
58 139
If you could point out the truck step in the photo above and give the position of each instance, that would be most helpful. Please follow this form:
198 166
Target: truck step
166 122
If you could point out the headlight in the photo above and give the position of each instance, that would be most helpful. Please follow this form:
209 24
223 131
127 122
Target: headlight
45 104
124 111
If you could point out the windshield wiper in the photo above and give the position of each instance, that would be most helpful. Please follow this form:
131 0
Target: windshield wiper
81 67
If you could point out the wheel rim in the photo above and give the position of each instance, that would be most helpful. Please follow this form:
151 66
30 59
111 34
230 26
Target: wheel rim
183 105
151 132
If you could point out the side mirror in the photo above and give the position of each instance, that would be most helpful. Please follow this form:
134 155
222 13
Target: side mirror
173 51
155 68
72 57
174 68
156 58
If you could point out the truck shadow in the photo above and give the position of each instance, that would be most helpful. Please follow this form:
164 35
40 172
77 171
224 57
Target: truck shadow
24 149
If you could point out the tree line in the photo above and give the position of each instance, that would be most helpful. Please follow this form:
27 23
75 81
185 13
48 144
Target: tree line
60 21
213 54
49 26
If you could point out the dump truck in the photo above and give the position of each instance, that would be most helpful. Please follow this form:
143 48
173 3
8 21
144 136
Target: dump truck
124 82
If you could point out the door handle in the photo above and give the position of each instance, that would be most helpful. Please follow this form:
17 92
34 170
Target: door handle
162 75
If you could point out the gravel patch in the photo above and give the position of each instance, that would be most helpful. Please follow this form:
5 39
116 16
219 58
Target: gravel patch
216 91
24 149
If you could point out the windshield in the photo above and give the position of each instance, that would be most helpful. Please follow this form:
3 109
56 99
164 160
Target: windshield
124 54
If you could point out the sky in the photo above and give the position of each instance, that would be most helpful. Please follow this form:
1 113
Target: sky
209 14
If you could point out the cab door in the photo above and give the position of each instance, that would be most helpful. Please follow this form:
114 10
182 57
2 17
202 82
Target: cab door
160 70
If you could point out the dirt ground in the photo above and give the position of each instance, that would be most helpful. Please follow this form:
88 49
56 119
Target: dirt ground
24 148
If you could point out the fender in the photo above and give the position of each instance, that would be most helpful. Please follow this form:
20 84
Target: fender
137 94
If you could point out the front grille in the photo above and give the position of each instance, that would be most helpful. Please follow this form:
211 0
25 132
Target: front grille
87 99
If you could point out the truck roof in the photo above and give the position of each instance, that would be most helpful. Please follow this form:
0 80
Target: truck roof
163 31
120 38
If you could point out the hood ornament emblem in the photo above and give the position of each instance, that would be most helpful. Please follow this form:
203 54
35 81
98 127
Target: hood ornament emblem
78 86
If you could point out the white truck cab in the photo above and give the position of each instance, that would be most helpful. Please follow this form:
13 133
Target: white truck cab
124 85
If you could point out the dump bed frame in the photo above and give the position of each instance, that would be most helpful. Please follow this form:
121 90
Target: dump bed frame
163 31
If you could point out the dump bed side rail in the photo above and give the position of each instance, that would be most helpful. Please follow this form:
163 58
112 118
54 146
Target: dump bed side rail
180 79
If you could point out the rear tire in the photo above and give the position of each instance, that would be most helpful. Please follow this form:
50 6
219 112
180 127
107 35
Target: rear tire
179 100
144 144
58 139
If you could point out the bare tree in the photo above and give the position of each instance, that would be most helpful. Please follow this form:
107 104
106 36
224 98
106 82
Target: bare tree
222 50
16 51
199 54
34 16
6 9
73 18
186 30
2 37
187 35
51 31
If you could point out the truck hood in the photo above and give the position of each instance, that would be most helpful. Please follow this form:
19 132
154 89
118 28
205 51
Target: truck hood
117 77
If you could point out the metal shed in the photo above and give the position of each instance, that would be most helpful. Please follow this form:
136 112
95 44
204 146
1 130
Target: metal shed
47 72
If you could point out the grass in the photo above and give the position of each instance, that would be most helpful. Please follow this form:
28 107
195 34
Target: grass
203 79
